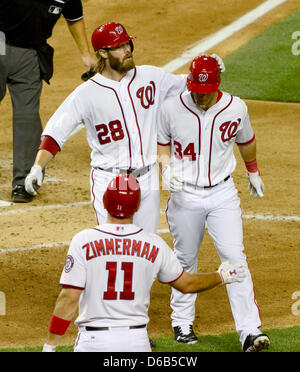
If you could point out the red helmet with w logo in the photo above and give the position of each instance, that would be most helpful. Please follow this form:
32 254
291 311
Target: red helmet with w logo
204 75
110 35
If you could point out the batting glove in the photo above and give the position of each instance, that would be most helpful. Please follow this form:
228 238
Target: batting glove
220 62
49 348
230 273
256 185
34 179
170 182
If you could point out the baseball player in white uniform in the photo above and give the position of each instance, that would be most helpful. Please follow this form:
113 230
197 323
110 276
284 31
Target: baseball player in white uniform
118 107
196 136
110 269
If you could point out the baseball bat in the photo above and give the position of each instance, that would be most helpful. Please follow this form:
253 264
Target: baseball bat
88 74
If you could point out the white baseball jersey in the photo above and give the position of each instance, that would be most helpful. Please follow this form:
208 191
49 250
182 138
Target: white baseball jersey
202 141
116 266
120 117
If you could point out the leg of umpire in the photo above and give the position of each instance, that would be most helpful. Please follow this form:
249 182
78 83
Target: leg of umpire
25 86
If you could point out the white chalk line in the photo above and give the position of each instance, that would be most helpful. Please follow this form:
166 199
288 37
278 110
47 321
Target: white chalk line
160 231
209 42
162 211
54 206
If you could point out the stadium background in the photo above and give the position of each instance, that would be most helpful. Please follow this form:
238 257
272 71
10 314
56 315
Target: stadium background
34 237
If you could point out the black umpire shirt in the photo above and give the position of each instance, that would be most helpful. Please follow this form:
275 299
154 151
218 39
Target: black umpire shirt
29 23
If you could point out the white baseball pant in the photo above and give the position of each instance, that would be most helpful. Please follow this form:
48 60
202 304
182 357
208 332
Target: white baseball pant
219 208
115 339
147 216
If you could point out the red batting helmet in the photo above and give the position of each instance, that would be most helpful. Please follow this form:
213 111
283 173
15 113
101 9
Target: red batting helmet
204 75
110 35
122 196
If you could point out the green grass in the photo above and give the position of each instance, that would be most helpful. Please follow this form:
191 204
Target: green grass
265 68
282 340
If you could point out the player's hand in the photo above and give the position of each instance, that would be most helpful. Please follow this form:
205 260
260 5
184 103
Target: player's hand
49 348
89 61
171 182
34 179
230 273
256 185
220 62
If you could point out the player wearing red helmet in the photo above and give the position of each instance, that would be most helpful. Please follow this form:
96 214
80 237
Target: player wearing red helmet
110 269
197 161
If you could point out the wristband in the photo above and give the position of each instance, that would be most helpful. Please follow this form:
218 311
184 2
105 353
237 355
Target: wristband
251 166
58 325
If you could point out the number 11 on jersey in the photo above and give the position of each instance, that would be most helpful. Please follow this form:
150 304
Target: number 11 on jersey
111 293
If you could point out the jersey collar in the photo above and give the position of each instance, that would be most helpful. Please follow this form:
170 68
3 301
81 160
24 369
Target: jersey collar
118 230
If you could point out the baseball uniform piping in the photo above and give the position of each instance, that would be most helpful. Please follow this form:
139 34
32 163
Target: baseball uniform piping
116 94
199 124
172 281
92 176
164 144
71 286
211 136
135 115
107 232
246 143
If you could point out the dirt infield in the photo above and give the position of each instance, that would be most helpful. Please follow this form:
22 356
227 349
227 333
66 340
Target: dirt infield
29 277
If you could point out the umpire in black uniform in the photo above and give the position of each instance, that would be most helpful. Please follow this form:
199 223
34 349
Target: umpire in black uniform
25 60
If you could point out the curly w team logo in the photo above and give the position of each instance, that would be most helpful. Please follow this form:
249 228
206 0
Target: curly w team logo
119 30
146 95
202 78
229 129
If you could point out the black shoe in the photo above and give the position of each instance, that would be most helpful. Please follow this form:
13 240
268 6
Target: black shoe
256 343
20 195
152 344
188 338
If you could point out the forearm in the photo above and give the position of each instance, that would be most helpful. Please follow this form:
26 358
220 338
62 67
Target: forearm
43 157
64 311
163 155
197 282
77 30
248 152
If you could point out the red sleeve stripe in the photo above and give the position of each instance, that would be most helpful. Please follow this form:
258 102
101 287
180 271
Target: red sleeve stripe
164 144
49 144
246 143
71 286
172 281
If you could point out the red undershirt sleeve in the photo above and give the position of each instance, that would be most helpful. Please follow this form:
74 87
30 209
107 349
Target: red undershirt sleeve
49 144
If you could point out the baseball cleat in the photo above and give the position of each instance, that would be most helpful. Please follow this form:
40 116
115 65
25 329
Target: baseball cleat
256 343
152 343
20 195
185 334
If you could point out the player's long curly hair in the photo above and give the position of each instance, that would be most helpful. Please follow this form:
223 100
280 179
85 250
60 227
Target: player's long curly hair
100 63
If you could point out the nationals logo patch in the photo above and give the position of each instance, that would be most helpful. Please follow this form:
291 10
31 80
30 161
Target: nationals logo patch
69 263
202 78
229 129
146 95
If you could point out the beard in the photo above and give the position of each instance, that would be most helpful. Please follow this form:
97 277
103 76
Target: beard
121 66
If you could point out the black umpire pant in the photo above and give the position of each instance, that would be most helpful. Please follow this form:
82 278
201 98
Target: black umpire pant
20 72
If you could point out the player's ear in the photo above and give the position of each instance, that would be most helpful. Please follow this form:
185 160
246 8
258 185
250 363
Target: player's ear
102 53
